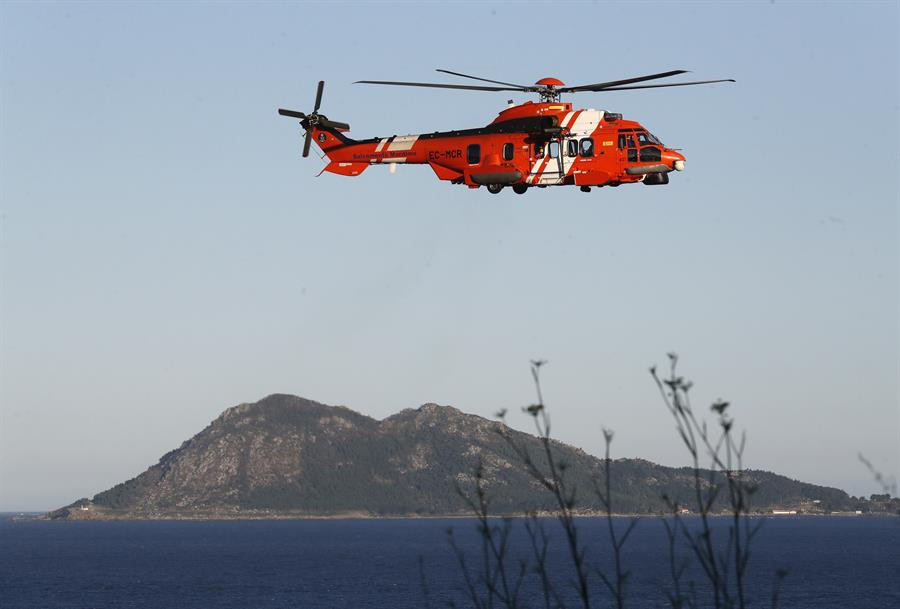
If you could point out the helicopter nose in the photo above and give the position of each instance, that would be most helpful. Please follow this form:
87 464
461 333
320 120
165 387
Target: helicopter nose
674 159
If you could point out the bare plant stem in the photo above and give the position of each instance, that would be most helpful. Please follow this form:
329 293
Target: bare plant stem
500 584
539 546
780 574
616 586
554 481
726 457
723 485
676 569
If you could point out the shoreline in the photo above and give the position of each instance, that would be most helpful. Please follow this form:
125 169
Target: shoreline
250 516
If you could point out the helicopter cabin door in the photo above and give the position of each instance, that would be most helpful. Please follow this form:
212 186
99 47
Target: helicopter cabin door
628 152
546 160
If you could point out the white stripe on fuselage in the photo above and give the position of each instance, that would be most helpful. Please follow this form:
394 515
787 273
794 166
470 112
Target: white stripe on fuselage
580 124
533 176
403 142
584 126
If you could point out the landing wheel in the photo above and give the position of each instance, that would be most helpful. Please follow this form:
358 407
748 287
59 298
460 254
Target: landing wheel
520 189
494 188
585 189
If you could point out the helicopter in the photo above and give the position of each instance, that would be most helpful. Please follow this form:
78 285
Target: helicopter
534 144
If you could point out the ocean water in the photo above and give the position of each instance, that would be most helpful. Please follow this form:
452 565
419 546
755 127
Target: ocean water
833 562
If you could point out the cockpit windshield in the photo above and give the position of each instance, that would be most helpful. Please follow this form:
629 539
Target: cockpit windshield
645 138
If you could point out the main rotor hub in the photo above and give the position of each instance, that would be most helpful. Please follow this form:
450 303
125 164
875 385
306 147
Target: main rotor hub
548 88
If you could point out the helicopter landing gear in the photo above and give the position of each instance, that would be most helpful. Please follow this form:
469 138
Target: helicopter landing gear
494 188
585 189
653 179
520 189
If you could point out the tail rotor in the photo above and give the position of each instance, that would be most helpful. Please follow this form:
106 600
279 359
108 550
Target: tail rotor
308 121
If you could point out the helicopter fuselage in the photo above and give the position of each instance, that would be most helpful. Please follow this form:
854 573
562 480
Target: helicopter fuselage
531 144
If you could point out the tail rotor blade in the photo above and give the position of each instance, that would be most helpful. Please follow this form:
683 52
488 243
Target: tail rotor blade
319 95
291 113
311 120
334 124
306 143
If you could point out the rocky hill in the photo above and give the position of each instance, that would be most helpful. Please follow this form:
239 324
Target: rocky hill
286 456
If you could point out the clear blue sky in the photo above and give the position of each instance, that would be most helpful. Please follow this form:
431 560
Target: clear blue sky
166 253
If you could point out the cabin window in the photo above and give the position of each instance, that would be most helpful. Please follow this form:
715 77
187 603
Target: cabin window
572 148
645 138
538 151
473 154
553 149
587 146
632 155
508 151
626 140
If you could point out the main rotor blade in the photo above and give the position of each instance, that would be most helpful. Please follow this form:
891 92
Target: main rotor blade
674 84
496 82
334 124
291 113
615 83
319 95
435 85
306 143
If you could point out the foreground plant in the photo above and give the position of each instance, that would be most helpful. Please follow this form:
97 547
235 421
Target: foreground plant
724 565
719 484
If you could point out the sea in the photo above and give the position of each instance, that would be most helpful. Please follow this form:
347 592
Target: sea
827 562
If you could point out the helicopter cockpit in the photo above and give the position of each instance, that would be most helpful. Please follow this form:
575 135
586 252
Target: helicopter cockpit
640 145
646 138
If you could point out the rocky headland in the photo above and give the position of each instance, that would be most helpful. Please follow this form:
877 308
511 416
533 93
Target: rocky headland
288 457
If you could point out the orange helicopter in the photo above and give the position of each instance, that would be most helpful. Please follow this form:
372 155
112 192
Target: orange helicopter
534 144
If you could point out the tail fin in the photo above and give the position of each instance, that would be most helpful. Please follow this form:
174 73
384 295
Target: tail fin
328 138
